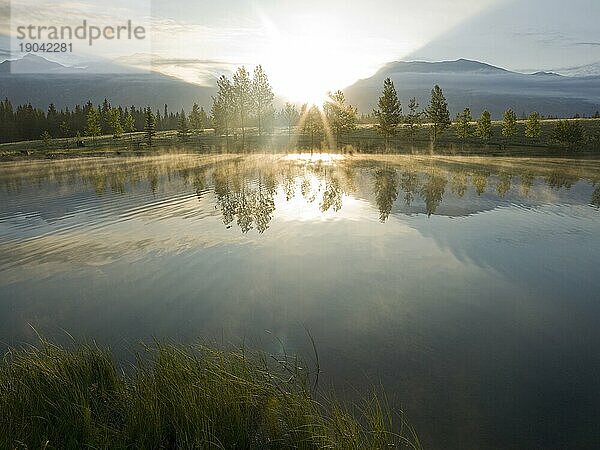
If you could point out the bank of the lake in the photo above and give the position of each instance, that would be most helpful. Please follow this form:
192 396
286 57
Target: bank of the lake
365 139
180 397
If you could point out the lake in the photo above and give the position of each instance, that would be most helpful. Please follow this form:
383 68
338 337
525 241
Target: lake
467 287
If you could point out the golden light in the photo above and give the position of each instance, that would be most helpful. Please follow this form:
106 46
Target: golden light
308 59
320 157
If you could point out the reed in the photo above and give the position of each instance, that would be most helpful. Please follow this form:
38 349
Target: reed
176 396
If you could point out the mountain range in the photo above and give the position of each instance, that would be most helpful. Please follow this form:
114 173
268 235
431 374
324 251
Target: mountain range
482 86
465 83
42 82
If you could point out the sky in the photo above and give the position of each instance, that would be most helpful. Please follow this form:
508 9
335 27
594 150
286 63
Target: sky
313 46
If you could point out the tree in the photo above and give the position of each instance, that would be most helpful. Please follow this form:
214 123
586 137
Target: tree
389 114
92 126
262 96
182 127
64 128
149 126
313 124
413 119
290 115
568 133
114 121
463 124
437 113
484 126
533 127
509 123
204 121
129 124
242 99
342 118
47 139
105 117
386 190
223 109
196 123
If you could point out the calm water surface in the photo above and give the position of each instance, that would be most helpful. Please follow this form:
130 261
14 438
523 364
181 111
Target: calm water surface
469 288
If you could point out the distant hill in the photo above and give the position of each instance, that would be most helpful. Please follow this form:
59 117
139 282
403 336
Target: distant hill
481 86
67 86
587 70
465 83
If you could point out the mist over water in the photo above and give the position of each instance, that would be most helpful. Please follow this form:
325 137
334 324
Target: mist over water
467 287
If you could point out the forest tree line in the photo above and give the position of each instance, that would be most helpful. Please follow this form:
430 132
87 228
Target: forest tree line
245 101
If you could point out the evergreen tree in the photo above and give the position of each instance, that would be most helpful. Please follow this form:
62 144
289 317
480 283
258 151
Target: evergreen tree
437 113
389 114
533 127
115 123
509 123
182 127
92 127
484 126
47 139
105 117
413 119
196 123
341 117
262 96
463 124
290 115
52 120
65 130
129 124
204 121
568 133
149 126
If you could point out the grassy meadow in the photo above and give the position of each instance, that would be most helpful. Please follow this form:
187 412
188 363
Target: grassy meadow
364 139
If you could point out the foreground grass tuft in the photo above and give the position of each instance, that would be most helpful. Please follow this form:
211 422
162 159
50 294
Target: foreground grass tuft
178 397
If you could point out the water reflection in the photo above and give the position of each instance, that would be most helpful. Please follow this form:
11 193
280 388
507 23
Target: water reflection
466 286
246 188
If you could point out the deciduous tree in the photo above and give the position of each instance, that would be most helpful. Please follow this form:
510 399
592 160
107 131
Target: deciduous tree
262 97
290 115
341 117
242 99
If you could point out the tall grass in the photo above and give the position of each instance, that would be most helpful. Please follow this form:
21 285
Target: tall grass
179 397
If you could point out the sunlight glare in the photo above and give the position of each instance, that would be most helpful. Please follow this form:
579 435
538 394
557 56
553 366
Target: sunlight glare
321 157
308 61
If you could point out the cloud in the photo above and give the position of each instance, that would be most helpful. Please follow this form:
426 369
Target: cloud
193 70
544 36
593 44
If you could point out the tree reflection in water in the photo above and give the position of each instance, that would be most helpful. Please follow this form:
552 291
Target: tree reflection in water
246 189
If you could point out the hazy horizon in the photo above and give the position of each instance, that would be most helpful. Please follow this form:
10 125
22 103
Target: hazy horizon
312 48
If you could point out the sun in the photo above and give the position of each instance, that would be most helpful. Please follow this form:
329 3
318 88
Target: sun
307 60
